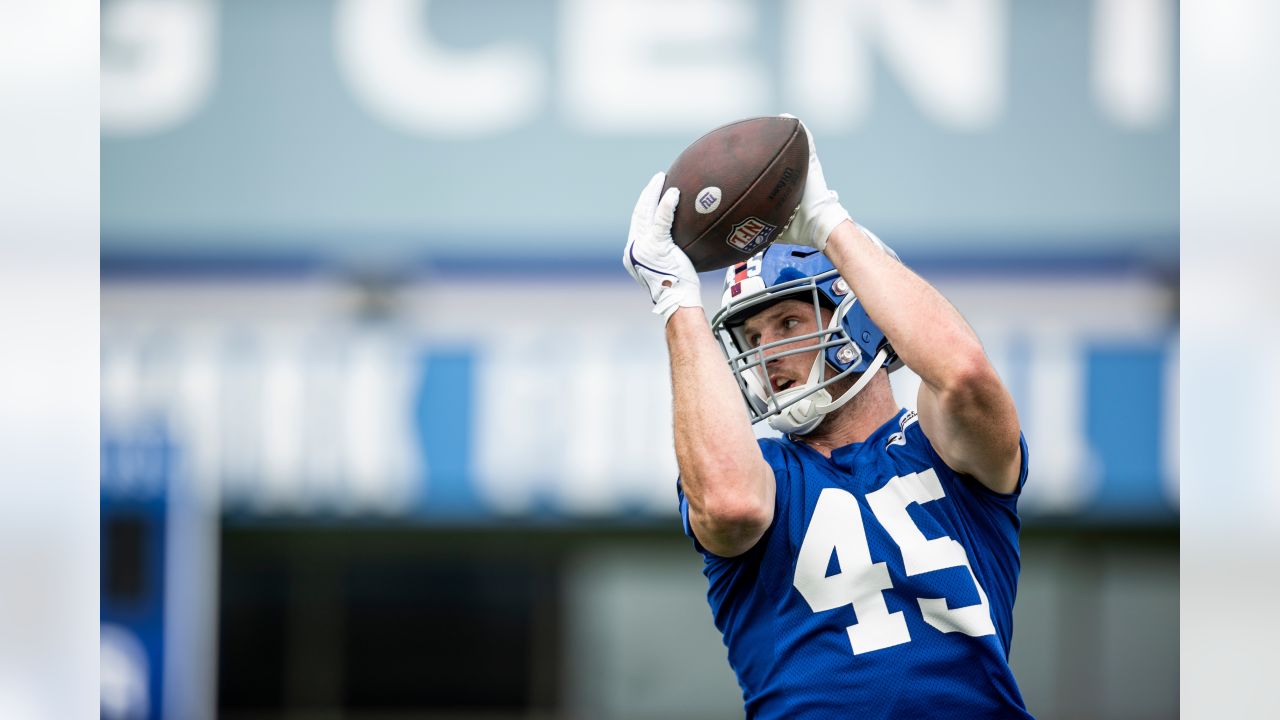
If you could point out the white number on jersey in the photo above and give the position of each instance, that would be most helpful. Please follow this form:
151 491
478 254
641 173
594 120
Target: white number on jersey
837 525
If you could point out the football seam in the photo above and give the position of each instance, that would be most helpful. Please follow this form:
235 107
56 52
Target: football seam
751 187
713 131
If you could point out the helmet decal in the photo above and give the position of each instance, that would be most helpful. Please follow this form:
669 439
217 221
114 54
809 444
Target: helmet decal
741 272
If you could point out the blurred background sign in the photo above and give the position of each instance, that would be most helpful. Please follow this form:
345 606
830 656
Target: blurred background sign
502 394
413 127
386 428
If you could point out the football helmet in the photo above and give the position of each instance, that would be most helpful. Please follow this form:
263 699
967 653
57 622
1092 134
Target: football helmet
849 344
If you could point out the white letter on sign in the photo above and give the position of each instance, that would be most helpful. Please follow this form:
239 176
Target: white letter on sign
661 65
949 56
1133 59
403 77
158 63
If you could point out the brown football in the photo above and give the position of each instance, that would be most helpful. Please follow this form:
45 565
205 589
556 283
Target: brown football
739 185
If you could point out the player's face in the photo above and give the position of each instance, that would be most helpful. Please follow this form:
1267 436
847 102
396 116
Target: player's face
786 319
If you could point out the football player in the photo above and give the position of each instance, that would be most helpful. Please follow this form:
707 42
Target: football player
865 563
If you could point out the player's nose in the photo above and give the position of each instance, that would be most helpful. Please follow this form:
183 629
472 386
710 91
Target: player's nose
772 352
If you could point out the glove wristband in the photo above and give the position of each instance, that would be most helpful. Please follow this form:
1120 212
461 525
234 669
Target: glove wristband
675 298
824 218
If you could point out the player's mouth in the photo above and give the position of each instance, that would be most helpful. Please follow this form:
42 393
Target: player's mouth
780 384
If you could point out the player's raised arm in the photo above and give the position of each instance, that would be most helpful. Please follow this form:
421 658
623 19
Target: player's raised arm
728 484
964 408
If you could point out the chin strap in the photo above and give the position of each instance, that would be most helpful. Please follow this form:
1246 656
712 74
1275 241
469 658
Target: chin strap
804 415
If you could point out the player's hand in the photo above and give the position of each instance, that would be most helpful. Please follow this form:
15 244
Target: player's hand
820 210
652 257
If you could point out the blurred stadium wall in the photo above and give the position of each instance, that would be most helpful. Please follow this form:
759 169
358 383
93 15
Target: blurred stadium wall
385 428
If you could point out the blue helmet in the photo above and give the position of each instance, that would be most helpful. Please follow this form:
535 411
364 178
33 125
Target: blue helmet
849 344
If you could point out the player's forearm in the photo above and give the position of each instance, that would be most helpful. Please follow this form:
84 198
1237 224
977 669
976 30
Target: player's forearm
722 470
926 330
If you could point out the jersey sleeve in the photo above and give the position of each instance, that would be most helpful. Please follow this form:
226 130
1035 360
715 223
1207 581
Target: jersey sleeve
1008 499
774 455
971 484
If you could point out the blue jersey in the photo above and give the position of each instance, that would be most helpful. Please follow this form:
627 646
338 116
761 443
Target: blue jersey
883 589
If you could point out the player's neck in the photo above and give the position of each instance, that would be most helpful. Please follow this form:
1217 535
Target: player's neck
853 423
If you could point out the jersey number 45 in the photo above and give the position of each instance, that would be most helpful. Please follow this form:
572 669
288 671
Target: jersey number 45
837 524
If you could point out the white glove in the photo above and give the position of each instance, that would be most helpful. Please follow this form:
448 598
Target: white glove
820 210
651 256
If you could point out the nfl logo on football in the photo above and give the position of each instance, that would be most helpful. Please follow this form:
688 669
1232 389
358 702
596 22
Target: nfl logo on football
751 234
